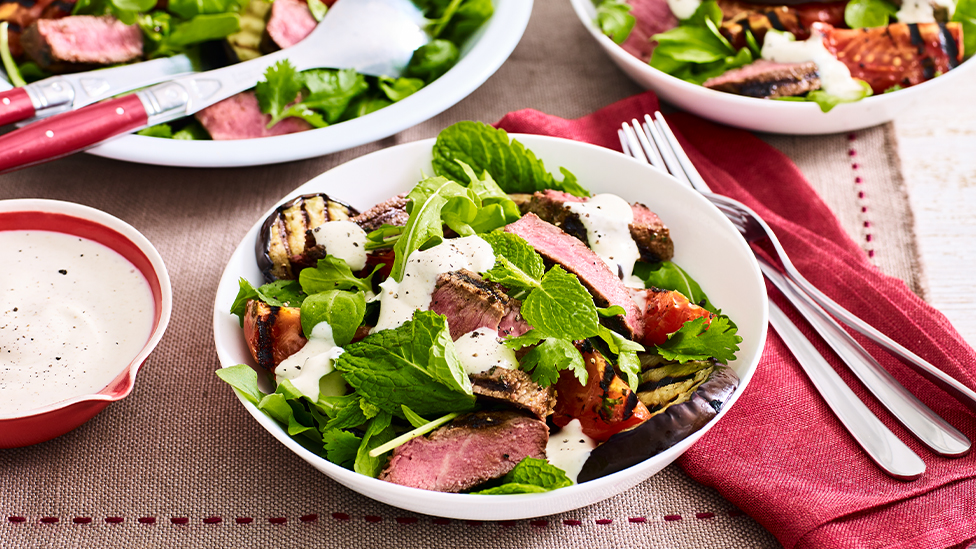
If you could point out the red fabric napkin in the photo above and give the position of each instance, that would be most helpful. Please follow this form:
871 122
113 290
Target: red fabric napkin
780 454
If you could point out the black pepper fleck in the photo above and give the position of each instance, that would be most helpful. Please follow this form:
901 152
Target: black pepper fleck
63 271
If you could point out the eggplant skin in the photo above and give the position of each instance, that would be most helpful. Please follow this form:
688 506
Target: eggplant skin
663 430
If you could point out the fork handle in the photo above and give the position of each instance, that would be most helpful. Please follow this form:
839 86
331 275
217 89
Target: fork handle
70 132
926 425
881 445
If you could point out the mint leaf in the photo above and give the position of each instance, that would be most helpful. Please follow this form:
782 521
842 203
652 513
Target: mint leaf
517 265
244 379
696 341
561 307
345 411
483 148
868 13
280 87
548 358
614 19
531 475
331 273
414 365
341 447
343 311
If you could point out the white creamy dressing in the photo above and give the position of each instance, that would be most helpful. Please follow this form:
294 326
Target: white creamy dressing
683 9
73 315
916 11
569 449
835 77
607 219
480 350
345 240
398 300
306 368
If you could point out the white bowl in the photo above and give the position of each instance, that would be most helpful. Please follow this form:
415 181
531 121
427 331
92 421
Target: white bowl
706 245
763 115
480 58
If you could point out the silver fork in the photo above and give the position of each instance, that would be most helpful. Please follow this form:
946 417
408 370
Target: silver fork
664 152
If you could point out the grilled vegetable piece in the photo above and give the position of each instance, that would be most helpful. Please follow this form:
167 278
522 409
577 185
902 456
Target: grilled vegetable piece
287 244
245 44
666 428
605 406
665 312
897 55
739 17
272 333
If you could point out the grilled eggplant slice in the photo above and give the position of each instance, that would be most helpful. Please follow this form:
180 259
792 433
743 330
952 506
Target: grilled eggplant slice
272 333
287 245
688 411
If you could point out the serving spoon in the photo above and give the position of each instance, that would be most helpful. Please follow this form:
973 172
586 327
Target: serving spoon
373 37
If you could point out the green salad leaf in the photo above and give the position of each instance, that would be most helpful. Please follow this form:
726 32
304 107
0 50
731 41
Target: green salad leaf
549 356
430 61
332 273
868 13
965 13
341 447
696 341
343 311
378 432
483 148
280 293
667 275
614 19
531 475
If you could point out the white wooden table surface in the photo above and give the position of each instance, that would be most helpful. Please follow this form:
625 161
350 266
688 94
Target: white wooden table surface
937 144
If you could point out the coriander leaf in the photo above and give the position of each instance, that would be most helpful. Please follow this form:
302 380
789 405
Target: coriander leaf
415 364
432 60
531 475
341 447
561 307
483 148
280 87
343 311
626 351
614 19
696 341
397 89
551 356
331 91
667 275
377 433
244 379
868 13
332 273
301 110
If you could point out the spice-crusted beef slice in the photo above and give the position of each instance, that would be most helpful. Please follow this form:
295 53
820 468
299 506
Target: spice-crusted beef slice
240 117
470 302
81 42
290 22
556 246
468 451
20 14
514 387
389 212
648 231
768 79
652 17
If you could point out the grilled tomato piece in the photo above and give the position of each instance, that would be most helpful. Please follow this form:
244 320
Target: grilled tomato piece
286 244
604 406
272 333
665 312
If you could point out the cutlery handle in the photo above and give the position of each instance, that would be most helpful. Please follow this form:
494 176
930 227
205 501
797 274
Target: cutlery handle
881 445
926 425
15 105
71 132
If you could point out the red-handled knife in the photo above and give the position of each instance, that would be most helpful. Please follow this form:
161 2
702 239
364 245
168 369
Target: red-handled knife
382 48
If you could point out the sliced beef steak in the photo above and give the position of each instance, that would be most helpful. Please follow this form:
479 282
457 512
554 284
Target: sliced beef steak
514 387
240 117
20 14
470 302
652 17
468 451
768 79
389 212
81 42
648 231
558 247
290 22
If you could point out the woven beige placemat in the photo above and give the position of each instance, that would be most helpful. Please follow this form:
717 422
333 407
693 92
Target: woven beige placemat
179 463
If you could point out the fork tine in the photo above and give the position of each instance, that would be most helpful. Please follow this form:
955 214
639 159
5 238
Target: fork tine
624 147
673 166
633 144
696 179
650 150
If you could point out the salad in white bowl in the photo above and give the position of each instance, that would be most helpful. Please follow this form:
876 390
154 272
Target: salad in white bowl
491 330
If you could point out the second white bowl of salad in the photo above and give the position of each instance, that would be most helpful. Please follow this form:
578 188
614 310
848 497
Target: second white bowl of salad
490 341
787 67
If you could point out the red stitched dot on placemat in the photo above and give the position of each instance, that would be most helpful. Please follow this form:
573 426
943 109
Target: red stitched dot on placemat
213 520
870 253
852 152
860 194
309 518
147 520
278 520
179 520
672 517
340 516
406 520
114 520
637 519
603 521
572 522
441 521
244 520
373 518
539 523
508 523
855 166
49 520
16 520
704 515
82 520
